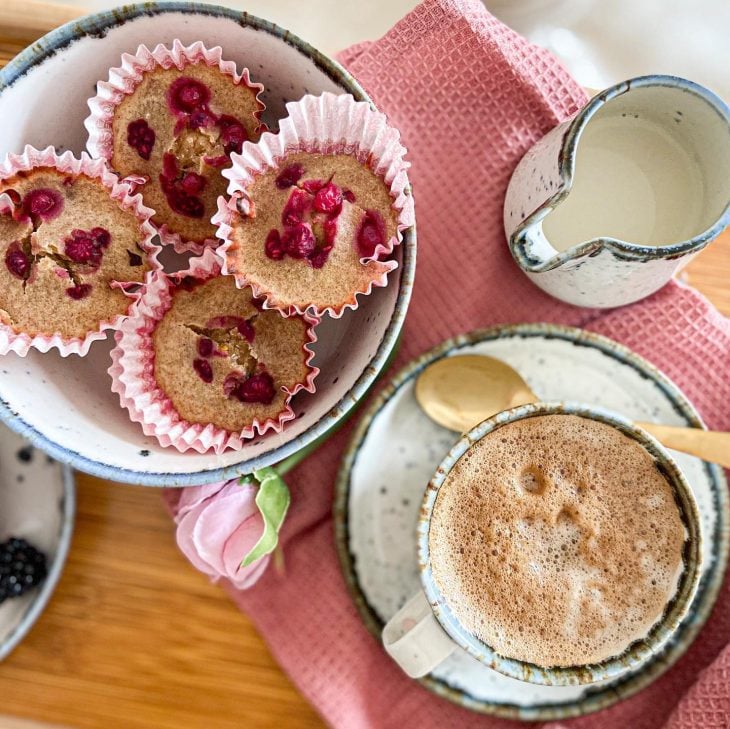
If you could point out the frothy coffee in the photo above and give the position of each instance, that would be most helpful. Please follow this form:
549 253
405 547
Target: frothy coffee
556 540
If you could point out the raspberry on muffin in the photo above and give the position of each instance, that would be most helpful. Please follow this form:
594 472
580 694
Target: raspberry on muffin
314 229
207 357
69 251
174 119
222 361
316 211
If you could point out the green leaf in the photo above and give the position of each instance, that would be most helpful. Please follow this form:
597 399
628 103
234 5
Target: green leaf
273 499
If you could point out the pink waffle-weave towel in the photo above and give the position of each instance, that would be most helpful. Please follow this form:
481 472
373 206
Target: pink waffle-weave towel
470 97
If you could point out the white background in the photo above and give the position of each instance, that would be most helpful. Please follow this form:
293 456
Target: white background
601 41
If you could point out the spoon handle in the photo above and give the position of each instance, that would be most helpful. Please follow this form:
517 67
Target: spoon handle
708 445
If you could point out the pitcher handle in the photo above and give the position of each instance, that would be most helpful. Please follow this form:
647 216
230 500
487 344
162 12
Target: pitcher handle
414 638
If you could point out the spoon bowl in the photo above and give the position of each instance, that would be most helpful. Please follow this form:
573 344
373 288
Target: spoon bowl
460 392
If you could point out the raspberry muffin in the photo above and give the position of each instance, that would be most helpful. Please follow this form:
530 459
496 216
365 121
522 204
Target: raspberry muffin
314 229
69 252
179 116
218 362
317 209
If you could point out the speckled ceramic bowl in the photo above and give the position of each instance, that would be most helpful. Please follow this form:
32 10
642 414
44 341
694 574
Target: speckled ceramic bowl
38 503
65 406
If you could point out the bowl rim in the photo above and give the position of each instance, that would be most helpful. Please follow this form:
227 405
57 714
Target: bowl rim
40 601
95 25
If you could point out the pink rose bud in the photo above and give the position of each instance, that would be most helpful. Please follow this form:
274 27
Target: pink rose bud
217 526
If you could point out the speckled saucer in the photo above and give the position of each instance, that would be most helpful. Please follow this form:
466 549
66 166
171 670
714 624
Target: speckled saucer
396 449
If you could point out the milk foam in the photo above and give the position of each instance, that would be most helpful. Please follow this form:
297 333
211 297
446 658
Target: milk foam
557 541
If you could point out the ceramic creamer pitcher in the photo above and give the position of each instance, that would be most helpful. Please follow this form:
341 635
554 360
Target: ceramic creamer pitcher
609 204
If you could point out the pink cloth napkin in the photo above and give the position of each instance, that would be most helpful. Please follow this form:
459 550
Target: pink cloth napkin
470 97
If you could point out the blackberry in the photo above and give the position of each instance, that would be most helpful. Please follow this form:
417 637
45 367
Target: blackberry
22 567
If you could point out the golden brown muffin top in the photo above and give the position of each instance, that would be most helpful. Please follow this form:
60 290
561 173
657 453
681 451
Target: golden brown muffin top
222 360
63 248
312 221
178 129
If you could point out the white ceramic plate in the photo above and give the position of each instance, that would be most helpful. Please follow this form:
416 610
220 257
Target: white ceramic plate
65 406
37 503
396 449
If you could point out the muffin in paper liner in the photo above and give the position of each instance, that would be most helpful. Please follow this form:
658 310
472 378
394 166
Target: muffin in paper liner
274 226
64 256
168 119
136 369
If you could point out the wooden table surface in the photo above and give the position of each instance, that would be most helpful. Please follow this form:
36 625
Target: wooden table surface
134 637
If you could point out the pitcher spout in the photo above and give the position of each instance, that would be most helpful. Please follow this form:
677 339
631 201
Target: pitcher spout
534 253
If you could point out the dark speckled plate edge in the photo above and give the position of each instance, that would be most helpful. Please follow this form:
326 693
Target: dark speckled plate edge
67 506
707 593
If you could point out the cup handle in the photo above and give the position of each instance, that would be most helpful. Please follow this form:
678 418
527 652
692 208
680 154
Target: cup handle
414 638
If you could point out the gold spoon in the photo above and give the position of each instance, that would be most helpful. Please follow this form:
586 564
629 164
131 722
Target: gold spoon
459 392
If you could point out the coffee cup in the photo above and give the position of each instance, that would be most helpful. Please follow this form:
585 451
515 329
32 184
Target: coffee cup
600 542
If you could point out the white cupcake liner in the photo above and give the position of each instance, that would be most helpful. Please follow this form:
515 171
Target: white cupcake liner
326 124
121 192
132 372
124 79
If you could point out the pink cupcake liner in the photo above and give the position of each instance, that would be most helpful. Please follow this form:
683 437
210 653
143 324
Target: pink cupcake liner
122 193
125 78
326 124
132 372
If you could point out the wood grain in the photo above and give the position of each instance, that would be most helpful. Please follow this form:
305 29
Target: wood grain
26 20
709 272
134 637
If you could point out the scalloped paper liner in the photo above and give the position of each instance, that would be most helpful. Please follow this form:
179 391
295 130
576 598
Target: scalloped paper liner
125 78
121 192
326 124
132 372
